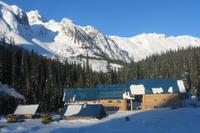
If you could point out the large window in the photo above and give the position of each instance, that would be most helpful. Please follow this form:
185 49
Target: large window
118 101
110 101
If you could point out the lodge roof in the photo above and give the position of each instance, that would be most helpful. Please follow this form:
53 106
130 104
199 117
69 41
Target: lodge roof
108 91
165 85
116 91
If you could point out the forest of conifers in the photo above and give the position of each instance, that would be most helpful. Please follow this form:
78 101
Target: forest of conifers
41 80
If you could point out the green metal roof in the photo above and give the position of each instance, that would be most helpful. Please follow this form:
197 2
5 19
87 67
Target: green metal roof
115 91
111 91
89 110
165 84
80 94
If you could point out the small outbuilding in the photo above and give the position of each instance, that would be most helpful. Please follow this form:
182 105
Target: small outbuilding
26 111
83 111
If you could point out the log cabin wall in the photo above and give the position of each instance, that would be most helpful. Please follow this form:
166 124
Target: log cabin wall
109 104
25 116
150 101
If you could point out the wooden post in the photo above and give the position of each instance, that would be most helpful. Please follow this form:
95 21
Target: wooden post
123 105
143 102
131 102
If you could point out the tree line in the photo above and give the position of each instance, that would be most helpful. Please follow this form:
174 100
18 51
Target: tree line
41 80
181 63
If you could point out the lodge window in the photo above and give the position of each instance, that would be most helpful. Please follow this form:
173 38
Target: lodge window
94 102
155 99
109 101
164 99
155 106
118 101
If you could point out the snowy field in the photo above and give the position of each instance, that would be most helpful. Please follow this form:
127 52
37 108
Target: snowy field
166 120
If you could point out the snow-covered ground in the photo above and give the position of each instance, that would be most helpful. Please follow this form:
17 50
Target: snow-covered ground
182 120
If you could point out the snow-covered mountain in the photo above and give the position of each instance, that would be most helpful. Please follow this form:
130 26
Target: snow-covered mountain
141 46
66 39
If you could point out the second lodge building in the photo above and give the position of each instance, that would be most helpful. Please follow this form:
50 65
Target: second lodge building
144 94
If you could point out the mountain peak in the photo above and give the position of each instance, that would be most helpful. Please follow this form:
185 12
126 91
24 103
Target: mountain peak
150 35
89 29
13 8
34 17
65 39
66 20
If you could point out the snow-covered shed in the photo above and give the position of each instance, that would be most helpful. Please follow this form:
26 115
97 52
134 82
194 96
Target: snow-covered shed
83 111
26 111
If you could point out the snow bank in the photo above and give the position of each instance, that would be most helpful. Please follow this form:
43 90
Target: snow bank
10 91
5 130
166 120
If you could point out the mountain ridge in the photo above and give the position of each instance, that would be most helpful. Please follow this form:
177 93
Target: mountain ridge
67 40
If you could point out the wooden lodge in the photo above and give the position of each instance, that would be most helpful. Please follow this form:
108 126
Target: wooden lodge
144 94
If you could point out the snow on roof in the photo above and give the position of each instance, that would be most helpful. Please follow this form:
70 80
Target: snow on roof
137 89
84 110
157 90
10 91
72 110
181 86
170 90
127 95
155 86
26 109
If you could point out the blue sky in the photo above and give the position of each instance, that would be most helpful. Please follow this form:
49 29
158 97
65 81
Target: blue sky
123 17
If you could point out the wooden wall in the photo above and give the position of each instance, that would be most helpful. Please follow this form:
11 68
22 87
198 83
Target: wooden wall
109 104
150 101
26 116
76 117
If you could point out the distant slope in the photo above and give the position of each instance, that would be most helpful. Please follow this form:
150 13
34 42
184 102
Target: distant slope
141 46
